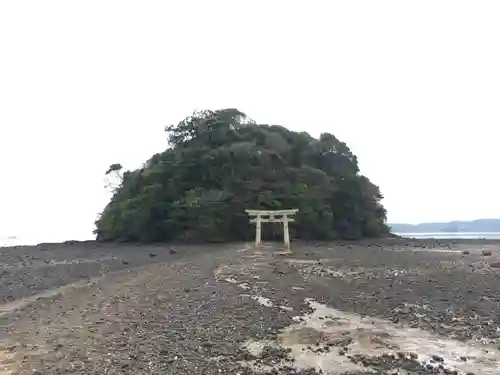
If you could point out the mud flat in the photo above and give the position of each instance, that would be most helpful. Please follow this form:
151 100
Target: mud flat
384 307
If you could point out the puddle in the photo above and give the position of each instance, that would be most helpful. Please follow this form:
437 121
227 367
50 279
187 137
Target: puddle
9 307
268 303
263 301
326 338
314 261
439 250
315 270
302 261
243 250
5 359
284 253
241 285
256 347
229 272
221 270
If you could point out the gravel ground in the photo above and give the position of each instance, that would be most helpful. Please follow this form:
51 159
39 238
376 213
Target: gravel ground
387 307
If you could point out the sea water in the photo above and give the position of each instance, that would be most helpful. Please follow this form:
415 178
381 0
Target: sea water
7 241
453 235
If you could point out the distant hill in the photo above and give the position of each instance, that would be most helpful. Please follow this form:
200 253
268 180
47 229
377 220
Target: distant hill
480 225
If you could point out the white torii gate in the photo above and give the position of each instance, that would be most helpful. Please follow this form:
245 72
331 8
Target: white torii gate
277 216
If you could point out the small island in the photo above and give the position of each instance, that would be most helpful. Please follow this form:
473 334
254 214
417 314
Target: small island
220 163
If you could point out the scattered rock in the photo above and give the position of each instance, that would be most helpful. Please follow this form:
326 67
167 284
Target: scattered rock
180 307
438 358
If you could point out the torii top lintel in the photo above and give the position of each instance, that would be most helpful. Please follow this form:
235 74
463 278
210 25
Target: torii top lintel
272 212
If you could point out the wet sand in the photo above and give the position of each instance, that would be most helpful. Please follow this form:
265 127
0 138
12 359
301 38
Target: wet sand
387 307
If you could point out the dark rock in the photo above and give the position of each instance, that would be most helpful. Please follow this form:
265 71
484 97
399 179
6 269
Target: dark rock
437 358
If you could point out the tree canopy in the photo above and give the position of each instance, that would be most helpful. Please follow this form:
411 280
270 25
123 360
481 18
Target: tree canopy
220 163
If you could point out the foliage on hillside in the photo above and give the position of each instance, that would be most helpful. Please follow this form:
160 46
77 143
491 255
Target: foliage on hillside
219 163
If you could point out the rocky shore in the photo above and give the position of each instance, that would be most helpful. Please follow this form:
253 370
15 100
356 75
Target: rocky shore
392 306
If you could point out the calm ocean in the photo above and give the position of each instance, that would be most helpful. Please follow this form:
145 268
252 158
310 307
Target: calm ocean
33 240
453 235
16 241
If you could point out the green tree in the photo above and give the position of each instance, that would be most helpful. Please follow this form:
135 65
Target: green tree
221 162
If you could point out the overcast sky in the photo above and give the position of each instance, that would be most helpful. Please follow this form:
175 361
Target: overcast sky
413 87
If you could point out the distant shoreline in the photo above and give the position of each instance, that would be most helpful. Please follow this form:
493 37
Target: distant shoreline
450 235
473 226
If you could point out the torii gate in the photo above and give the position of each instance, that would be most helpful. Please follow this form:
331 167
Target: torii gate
276 216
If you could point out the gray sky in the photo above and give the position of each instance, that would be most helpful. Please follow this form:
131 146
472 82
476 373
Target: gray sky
413 87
